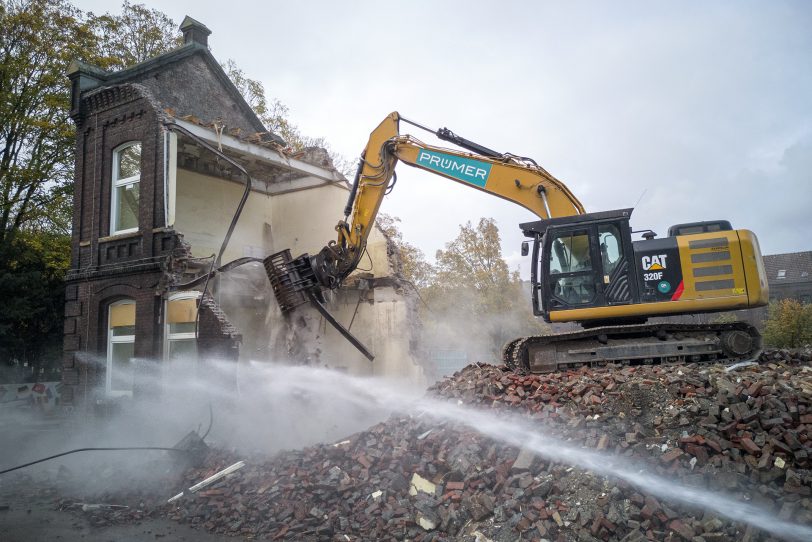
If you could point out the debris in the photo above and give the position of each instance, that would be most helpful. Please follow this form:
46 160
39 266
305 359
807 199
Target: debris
85 507
195 447
426 523
740 365
210 480
419 483
414 478
523 461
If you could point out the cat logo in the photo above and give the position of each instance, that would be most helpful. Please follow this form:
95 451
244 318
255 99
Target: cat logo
654 263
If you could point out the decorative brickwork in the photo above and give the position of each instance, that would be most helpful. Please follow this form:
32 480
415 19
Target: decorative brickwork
111 109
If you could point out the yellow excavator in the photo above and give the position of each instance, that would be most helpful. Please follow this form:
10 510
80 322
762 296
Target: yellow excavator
586 267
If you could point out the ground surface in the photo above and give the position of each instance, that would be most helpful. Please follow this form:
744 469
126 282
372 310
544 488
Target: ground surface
745 434
34 519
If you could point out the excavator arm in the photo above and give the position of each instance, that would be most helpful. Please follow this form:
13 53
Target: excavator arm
514 178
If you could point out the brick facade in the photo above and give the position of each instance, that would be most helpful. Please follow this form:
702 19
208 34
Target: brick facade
110 110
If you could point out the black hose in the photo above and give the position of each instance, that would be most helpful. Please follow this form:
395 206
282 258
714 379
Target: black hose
211 422
222 269
92 450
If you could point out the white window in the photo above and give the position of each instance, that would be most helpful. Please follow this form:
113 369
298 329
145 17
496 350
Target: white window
181 340
120 347
782 273
126 176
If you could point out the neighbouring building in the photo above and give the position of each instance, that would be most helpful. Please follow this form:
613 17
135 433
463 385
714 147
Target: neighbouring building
153 202
789 276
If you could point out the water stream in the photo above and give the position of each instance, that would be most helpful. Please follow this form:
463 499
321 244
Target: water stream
331 387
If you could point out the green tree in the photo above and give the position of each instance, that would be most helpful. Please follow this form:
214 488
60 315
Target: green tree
32 270
789 324
276 117
477 304
38 39
474 261
135 35
411 261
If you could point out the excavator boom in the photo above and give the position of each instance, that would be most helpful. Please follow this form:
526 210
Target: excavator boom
516 179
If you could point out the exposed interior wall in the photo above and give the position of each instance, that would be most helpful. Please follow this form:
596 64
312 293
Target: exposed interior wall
315 213
382 322
303 221
204 208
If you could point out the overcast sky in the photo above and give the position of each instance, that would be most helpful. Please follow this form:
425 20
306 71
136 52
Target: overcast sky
702 108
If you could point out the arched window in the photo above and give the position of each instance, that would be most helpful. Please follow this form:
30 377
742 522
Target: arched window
126 176
120 347
181 313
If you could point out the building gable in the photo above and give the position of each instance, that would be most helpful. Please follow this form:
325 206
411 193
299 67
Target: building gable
169 78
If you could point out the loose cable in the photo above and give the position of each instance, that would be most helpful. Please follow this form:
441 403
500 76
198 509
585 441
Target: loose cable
93 450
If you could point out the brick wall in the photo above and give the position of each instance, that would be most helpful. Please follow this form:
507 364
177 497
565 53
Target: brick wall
138 266
105 269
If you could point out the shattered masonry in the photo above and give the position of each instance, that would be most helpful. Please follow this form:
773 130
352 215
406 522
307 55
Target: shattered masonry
745 433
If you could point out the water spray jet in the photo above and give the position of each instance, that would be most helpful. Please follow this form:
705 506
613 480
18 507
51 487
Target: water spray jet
519 432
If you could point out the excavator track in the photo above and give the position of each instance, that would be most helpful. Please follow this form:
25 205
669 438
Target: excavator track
644 344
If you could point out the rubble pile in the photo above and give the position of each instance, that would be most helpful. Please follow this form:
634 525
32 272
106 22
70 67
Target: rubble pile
746 432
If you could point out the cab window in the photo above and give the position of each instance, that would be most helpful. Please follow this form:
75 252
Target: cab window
609 239
570 253
571 275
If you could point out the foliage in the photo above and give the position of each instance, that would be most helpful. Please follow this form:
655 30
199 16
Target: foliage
474 260
32 268
471 300
38 39
136 35
789 324
725 318
411 261
476 303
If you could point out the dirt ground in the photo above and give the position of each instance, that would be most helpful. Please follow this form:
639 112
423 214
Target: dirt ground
30 499
30 519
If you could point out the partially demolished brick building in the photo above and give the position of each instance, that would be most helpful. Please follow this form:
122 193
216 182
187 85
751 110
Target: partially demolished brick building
152 205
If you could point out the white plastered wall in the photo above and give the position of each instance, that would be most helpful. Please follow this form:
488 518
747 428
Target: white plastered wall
303 221
204 207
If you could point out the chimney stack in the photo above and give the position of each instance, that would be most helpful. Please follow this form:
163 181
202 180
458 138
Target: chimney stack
194 32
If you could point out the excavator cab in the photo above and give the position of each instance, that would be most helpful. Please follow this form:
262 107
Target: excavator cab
582 262
588 270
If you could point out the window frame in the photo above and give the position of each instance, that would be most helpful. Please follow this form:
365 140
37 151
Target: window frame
116 339
169 336
589 273
115 183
